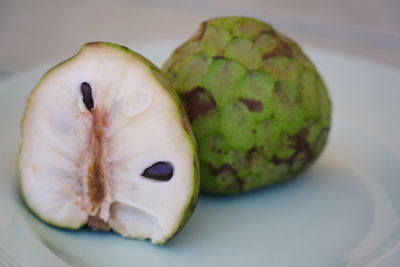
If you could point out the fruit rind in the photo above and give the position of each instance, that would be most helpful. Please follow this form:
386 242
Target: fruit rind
256 103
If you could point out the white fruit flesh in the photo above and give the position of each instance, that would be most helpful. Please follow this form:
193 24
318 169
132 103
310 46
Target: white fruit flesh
138 123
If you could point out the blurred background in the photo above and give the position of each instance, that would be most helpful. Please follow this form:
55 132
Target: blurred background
37 32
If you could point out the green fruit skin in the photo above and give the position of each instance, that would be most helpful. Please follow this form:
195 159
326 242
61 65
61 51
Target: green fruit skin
181 115
259 109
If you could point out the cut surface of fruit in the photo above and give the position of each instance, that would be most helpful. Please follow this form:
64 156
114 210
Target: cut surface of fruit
106 143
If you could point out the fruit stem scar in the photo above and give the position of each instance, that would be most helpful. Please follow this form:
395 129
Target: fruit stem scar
87 96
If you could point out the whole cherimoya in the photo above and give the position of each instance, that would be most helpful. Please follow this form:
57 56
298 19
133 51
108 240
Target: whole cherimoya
258 107
106 143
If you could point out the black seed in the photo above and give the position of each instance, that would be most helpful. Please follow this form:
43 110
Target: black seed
87 97
160 171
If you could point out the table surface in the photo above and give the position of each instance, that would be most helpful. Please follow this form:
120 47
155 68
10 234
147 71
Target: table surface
39 32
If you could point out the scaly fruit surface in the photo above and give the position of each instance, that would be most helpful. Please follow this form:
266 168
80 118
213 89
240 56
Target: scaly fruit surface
105 142
258 107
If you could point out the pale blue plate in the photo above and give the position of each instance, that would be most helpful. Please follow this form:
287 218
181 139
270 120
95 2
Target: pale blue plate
344 211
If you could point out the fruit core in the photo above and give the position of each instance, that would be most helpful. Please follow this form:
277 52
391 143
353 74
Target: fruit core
97 174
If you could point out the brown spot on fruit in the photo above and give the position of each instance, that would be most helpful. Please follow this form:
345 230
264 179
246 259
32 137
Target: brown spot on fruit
276 161
252 104
218 57
286 94
252 155
226 170
301 147
198 102
283 49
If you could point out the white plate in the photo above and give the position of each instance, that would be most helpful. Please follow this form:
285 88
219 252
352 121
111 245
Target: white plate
344 211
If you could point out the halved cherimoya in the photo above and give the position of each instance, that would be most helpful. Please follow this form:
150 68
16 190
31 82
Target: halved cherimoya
105 142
